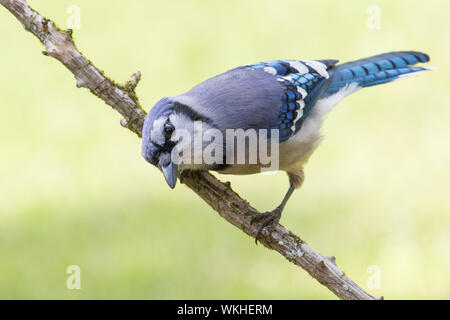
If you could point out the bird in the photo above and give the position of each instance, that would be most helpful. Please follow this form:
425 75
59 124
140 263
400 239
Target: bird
281 100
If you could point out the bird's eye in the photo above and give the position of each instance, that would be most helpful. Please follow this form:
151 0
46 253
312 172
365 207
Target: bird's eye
168 129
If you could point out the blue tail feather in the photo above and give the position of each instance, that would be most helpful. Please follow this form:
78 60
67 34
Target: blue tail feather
375 70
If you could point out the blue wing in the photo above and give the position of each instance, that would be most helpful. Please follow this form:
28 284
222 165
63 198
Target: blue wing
282 93
302 83
266 95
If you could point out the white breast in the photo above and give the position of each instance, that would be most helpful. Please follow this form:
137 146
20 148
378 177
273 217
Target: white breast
295 152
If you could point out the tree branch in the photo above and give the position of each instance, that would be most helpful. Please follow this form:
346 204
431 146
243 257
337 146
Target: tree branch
230 206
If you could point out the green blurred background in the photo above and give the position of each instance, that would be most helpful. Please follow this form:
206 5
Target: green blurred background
74 189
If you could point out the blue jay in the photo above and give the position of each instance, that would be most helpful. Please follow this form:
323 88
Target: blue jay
290 96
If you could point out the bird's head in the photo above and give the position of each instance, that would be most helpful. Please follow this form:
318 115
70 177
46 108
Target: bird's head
166 134
157 140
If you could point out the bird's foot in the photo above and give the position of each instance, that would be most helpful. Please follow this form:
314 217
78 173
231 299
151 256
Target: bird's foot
268 220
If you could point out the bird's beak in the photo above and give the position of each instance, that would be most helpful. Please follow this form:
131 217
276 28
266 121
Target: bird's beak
170 173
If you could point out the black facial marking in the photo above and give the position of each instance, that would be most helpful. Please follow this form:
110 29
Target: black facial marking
168 145
168 129
220 167
190 113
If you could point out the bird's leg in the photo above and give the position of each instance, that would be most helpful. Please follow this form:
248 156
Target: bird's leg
270 219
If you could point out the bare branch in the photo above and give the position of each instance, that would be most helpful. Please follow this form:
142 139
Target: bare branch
60 45
133 82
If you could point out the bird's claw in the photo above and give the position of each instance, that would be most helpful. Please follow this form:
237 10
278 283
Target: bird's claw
268 220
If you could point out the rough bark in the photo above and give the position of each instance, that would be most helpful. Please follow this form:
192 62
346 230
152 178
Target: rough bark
230 206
